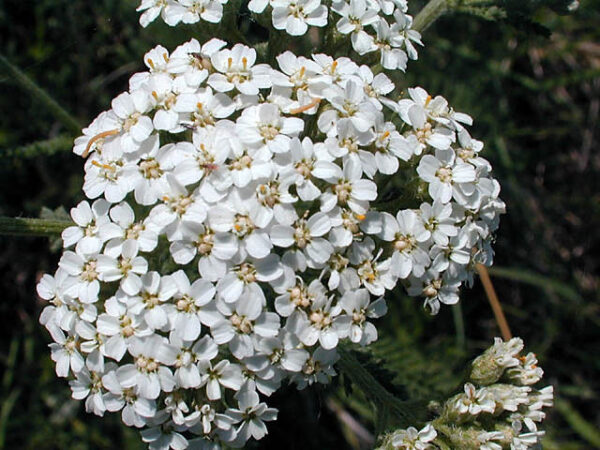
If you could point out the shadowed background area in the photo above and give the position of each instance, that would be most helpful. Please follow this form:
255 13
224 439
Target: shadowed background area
535 99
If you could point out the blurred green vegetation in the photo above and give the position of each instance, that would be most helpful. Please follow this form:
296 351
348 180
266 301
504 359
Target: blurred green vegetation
535 100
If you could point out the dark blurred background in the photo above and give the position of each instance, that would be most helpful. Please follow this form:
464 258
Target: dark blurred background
535 99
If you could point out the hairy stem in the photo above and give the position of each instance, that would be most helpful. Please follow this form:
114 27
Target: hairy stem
21 226
430 13
436 8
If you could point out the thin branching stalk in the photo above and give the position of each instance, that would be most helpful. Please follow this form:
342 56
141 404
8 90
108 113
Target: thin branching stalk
494 302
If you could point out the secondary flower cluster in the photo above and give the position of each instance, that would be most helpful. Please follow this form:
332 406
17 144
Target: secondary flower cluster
373 25
237 235
501 413
379 26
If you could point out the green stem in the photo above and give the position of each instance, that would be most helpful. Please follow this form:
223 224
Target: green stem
29 85
407 413
430 13
436 8
20 226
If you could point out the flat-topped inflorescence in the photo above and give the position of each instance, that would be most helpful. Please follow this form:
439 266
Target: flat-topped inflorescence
244 220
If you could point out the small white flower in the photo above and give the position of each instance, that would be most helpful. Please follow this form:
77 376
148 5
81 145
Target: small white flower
93 227
438 222
356 304
350 104
215 250
263 126
443 172
65 353
318 368
119 326
242 324
178 208
142 232
149 374
122 263
187 373
323 323
204 107
135 125
85 270
223 374
149 302
305 235
474 401
348 188
242 279
151 10
136 410
355 16
435 289
193 60
192 306
388 41
194 10
164 438
413 439
375 275
88 385
235 69
252 414
294 16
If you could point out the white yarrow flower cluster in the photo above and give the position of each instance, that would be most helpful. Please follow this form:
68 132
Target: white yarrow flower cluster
373 25
236 234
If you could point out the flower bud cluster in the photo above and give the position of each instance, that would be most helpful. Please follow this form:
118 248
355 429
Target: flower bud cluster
235 235
373 25
500 411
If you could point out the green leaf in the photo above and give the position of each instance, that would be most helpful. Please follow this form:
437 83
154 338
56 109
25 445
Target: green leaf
41 95
58 144
368 375
585 429
534 279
